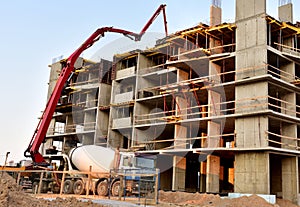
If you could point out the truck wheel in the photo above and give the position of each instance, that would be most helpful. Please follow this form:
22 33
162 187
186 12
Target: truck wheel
115 188
68 186
44 188
78 187
55 188
35 187
102 188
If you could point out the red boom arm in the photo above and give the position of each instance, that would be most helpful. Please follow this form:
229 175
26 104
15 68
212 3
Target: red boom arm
41 130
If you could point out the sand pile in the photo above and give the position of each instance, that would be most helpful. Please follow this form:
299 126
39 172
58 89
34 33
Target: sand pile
11 195
209 200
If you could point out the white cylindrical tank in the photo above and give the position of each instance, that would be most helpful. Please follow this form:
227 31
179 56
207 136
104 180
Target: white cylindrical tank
100 158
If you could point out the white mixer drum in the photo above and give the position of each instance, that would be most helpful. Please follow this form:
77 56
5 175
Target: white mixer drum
100 158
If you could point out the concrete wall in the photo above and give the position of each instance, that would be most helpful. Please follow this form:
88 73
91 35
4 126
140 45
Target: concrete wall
125 73
123 97
122 122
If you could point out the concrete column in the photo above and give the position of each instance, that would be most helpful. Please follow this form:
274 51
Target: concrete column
215 19
54 73
51 127
179 169
251 131
203 177
289 104
288 70
180 132
55 69
251 97
181 113
289 130
285 13
70 124
214 102
252 173
179 163
144 62
102 119
48 143
290 188
214 109
215 15
114 139
213 134
251 38
213 174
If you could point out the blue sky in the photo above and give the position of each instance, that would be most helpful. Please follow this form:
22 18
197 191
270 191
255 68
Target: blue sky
33 32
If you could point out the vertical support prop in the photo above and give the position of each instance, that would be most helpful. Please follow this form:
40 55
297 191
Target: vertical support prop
89 181
156 185
121 186
18 178
40 183
62 183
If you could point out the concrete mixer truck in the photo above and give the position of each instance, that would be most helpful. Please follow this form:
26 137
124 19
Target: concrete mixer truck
103 165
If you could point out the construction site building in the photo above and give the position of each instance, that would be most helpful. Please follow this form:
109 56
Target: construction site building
218 104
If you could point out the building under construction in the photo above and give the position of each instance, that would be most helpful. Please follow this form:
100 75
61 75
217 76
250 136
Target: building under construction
218 104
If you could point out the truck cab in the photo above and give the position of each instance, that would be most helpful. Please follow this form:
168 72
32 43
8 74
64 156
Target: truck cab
137 170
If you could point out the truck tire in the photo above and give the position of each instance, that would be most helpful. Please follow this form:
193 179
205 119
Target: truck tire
44 188
78 187
55 188
68 187
115 188
102 188
35 187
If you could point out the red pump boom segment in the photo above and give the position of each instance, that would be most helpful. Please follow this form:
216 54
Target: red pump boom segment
42 127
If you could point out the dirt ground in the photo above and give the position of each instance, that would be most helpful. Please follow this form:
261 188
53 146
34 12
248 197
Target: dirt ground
208 200
11 195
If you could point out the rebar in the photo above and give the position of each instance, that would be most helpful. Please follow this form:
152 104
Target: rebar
216 3
284 2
